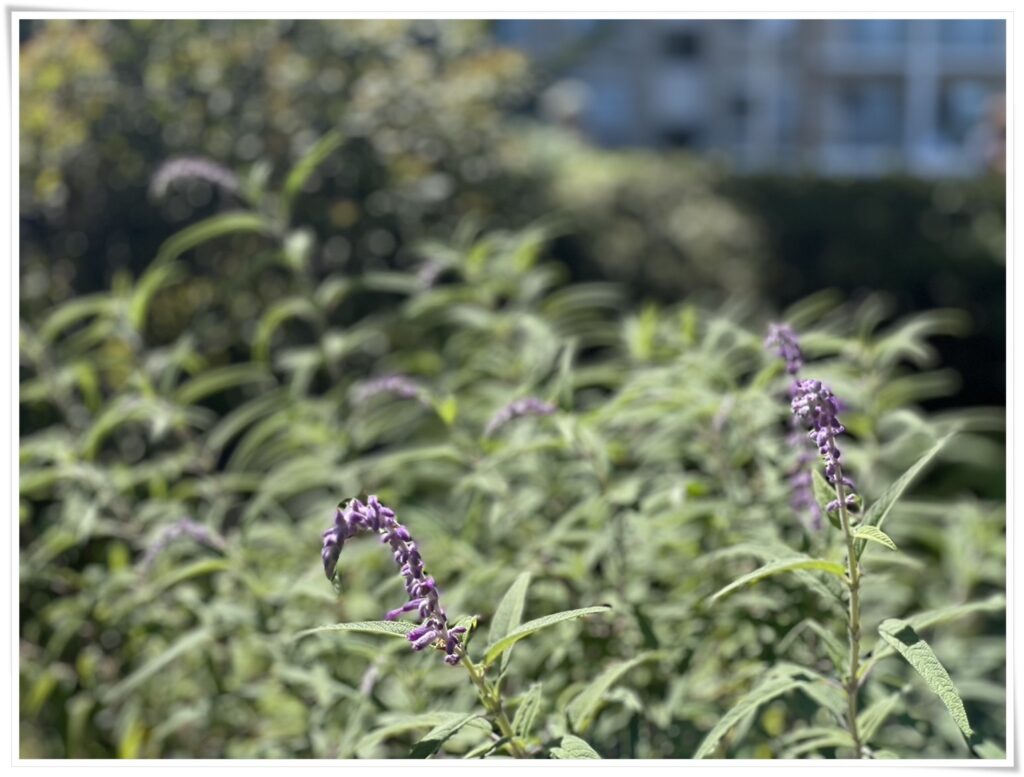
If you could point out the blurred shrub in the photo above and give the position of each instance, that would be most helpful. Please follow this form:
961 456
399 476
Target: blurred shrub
424 109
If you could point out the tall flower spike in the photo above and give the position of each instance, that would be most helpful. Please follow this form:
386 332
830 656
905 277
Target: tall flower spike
817 408
783 338
517 409
355 518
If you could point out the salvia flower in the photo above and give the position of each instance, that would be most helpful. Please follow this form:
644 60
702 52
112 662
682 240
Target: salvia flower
353 518
192 168
184 528
783 338
400 386
817 408
517 409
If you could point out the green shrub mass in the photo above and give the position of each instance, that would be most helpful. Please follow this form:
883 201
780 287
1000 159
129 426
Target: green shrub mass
199 356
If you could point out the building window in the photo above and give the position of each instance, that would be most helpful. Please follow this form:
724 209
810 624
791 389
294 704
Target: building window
682 45
873 32
962 107
971 32
680 136
870 112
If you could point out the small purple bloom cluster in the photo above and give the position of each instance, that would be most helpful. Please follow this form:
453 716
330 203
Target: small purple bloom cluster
516 409
183 528
354 518
196 168
817 407
400 386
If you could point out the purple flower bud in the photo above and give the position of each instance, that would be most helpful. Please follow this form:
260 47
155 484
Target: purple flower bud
517 409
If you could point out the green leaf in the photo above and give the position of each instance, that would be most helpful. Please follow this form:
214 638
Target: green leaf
509 613
924 620
390 628
572 747
584 707
210 229
778 567
219 379
874 534
901 636
293 307
500 646
527 711
438 735
774 684
876 514
305 167
190 641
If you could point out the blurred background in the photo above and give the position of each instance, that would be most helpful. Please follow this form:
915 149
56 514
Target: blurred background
768 158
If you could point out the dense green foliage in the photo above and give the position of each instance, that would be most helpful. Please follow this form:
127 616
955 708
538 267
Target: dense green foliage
217 378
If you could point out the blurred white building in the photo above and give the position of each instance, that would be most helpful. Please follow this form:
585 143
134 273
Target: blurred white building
855 97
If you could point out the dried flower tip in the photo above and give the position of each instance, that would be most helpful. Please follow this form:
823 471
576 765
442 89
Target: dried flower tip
783 338
192 168
517 409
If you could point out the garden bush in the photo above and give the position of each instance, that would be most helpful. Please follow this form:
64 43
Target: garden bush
608 488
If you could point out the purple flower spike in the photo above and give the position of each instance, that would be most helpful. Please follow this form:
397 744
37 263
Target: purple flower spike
517 409
817 408
192 168
783 338
355 518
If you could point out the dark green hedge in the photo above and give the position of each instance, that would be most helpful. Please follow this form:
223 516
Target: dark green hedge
925 243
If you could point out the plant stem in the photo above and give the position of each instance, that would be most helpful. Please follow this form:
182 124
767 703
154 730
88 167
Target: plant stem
853 583
492 703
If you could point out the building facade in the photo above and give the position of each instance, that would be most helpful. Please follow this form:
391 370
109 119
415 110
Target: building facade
858 96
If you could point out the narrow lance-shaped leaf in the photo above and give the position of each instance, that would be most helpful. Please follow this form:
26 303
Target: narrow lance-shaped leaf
901 636
772 686
509 613
306 166
777 567
530 627
438 735
209 229
190 641
874 534
527 711
924 620
879 510
388 628
584 707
